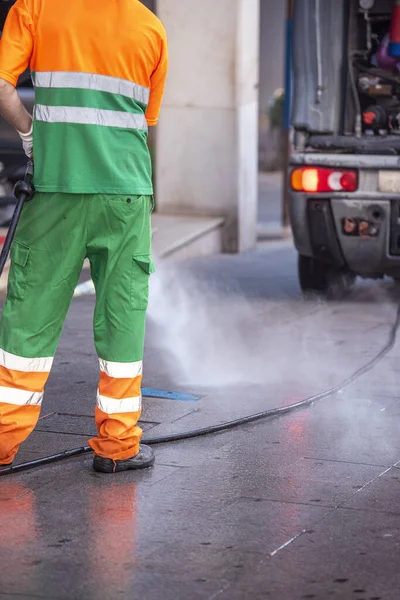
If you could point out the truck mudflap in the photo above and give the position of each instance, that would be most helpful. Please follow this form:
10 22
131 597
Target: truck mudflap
322 231
395 228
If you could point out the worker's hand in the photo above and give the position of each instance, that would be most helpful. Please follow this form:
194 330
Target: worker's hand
27 142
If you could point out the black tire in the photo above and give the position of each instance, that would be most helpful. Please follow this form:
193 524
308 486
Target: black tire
320 278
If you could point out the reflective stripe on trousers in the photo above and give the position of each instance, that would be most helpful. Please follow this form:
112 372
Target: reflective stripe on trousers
22 382
120 387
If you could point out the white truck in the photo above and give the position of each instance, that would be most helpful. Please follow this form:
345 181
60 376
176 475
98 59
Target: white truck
344 184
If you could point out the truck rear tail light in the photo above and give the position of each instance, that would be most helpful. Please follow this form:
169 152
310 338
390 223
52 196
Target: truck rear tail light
320 179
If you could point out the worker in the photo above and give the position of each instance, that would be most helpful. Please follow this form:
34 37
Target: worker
99 70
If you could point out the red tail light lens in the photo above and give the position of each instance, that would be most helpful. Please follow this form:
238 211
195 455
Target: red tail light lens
320 179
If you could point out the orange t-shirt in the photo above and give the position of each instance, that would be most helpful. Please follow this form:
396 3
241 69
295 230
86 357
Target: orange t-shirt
91 61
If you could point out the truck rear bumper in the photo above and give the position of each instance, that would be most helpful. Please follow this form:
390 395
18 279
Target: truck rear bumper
320 229
361 230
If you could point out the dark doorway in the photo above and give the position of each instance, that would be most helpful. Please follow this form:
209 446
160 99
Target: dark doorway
151 4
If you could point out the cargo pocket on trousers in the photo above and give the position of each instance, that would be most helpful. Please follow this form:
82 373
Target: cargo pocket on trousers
19 266
142 267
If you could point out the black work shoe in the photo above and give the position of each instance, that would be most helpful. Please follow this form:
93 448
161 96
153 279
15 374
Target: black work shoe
143 460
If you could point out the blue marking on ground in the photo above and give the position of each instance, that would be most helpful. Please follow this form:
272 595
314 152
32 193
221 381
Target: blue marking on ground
166 395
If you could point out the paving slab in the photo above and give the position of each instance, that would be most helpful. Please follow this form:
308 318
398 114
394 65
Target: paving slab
302 506
382 495
347 555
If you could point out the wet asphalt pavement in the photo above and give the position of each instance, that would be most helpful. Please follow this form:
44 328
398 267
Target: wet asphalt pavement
299 506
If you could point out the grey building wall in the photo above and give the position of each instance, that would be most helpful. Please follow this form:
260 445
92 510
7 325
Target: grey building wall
272 46
273 14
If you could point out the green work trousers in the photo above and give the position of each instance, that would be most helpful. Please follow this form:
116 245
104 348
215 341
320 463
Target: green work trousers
56 233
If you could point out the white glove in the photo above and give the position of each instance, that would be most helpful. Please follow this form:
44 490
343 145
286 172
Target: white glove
27 142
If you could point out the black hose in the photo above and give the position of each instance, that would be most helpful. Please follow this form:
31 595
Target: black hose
176 437
23 192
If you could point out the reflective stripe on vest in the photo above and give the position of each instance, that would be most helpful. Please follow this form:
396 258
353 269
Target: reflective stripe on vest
90 116
90 81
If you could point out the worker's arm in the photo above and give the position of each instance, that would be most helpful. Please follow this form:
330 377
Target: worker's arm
16 46
12 109
158 80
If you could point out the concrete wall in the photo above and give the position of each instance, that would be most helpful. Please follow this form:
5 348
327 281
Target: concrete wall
207 137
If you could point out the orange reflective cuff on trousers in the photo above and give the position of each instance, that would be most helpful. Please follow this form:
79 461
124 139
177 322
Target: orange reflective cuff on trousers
119 405
22 382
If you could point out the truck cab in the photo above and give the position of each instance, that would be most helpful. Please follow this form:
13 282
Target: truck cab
344 176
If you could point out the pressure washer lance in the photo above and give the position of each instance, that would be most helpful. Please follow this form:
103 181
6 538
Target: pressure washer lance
23 191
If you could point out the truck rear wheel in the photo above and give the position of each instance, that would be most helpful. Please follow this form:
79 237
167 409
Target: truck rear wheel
320 278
